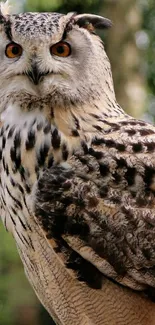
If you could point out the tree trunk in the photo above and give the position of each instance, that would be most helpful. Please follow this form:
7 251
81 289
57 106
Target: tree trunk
124 54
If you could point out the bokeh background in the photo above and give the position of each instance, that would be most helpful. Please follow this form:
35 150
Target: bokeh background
130 44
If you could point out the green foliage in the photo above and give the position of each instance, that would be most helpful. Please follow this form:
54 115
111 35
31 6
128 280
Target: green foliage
149 27
148 7
41 5
64 5
15 291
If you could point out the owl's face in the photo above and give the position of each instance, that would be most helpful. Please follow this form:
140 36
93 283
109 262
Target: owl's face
50 55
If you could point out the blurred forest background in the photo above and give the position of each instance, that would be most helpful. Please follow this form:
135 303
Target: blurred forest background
130 44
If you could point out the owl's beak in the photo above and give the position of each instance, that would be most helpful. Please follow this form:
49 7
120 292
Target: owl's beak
35 75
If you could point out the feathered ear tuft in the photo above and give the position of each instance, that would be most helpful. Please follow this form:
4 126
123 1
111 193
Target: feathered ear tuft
5 8
91 22
10 7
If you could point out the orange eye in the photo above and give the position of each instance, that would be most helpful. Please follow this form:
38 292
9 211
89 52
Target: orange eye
13 50
61 49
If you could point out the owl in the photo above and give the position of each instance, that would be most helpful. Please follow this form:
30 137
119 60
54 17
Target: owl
77 173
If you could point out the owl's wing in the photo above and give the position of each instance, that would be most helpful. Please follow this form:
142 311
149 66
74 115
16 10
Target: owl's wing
101 215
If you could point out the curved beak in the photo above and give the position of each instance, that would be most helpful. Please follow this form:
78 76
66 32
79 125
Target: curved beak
35 75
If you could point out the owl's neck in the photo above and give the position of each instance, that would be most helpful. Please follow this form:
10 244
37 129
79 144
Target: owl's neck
87 119
71 119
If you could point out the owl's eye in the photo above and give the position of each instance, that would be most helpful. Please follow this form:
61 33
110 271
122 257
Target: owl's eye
13 50
61 49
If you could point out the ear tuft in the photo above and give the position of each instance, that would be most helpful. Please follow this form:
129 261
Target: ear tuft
5 8
10 7
92 22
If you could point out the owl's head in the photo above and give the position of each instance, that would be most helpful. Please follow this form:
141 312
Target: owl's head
52 57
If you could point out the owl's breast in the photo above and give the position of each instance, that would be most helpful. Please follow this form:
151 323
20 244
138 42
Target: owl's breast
26 148
24 153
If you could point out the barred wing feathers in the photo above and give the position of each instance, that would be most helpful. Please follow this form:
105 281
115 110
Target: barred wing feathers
100 211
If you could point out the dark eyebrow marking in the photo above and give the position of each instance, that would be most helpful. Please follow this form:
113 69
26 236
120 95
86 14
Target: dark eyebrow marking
7 28
68 26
